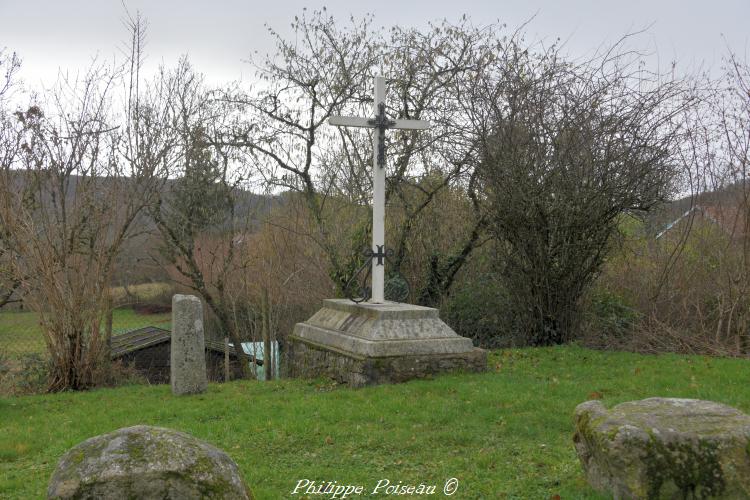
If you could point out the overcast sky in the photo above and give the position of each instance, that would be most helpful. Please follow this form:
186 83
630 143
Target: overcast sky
218 35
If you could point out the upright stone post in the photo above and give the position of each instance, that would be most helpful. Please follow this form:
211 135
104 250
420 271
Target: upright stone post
188 350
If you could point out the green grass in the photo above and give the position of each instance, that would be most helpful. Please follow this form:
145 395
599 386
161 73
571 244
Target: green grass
124 320
502 434
20 333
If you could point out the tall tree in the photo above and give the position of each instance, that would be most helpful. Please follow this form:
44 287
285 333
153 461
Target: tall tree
326 69
10 148
196 213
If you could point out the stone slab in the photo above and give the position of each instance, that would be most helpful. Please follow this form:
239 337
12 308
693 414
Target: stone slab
664 448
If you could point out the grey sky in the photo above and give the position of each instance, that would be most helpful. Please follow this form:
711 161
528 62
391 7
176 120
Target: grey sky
218 35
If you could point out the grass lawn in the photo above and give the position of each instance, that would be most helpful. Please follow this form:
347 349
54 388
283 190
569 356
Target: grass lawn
502 434
20 332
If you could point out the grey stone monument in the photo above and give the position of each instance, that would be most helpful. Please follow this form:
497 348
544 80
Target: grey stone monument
367 343
188 348
362 343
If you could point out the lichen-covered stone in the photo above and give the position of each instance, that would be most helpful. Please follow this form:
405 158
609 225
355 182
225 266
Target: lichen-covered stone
146 463
665 448
188 349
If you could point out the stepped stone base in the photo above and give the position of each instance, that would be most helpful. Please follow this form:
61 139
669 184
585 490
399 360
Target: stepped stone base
366 344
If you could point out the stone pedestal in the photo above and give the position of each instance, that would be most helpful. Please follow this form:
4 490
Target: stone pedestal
365 344
188 346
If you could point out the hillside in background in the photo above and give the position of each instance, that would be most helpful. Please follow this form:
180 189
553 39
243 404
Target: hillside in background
723 207
139 260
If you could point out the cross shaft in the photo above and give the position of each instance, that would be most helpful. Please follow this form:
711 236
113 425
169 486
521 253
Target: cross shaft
380 122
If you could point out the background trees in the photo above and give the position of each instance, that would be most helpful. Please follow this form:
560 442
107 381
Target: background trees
685 279
508 214
10 280
328 70
68 202
199 214
75 178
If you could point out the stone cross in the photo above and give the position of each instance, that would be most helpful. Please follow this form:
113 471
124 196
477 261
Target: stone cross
381 123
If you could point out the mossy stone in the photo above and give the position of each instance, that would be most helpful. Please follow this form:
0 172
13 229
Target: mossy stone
664 448
146 463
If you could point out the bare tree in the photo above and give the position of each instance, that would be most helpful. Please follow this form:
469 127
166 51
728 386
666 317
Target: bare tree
327 69
10 147
200 213
68 201
568 150
61 209
698 302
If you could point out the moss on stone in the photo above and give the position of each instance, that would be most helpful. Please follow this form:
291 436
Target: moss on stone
135 449
147 462
662 448
586 426
694 471
77 457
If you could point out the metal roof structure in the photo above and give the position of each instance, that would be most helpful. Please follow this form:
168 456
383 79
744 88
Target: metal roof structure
135 340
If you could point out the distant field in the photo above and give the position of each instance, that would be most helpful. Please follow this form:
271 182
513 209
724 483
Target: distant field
145 292
20 333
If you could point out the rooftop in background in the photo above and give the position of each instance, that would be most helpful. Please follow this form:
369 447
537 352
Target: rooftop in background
145 337
130 343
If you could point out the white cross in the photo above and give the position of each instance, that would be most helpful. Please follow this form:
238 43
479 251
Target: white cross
381 123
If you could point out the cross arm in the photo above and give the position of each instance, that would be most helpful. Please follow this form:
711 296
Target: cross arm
354 121
349 121
411 124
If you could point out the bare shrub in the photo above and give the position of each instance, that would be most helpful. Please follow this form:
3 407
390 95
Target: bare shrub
568 150
71 186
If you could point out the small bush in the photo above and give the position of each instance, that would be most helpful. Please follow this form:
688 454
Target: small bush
608 319
117 373
481 311
32 374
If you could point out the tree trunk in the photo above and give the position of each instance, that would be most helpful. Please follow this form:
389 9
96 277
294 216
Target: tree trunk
266 332
226 359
